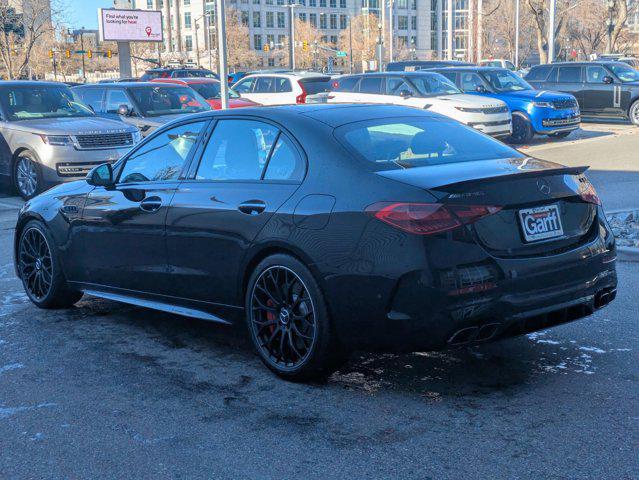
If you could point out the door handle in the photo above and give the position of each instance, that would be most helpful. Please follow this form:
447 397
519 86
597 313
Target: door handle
252 207
151 204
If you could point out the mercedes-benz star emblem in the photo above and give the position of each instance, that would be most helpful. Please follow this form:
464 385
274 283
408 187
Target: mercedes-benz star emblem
543 186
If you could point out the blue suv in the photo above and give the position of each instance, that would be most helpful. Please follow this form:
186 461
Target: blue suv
534 111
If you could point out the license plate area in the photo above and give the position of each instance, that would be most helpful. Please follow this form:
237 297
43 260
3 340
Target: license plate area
541 223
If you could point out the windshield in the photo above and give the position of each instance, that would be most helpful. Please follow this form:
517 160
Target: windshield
432 84
412 142
156 101
25 102
624 72
505 81
211 91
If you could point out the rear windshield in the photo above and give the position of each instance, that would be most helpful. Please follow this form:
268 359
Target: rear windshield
316 85
411 142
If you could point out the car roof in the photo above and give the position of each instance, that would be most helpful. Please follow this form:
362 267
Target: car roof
469 68
15 83
332 114
186 80
129 84
167 69
289 74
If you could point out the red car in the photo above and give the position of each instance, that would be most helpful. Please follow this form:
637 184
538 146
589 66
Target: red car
209 88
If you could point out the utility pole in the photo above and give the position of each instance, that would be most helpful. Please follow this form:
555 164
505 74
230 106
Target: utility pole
197 43
480 29
350 42
391 27
209 37
84 76
440 29
291 37
517 34
451 27
221 52
380 46
551 31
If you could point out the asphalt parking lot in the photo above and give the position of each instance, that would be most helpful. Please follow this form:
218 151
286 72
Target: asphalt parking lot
106 390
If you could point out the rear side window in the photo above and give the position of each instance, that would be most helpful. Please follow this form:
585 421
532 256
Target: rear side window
282 85
538 74
346 84
285 163
264 85
237 150
569 75
409 142
371 85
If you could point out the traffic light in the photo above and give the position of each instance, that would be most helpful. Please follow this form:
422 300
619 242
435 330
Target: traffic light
305 46
266 47
50 53
67 53
109 53
89 54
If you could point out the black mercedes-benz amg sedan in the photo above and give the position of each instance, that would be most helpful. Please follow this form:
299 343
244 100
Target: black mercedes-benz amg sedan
328 228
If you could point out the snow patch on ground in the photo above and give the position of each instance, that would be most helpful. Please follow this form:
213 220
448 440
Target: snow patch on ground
9 367
592 349
6 412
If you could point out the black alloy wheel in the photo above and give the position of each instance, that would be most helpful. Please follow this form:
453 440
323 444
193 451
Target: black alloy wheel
40 270
288 320
522 130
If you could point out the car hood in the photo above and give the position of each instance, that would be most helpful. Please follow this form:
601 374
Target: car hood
536 95
71 126
465 100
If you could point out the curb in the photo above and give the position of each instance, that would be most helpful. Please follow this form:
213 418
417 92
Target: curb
628 254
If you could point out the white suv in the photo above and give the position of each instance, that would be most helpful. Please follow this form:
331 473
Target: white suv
425 90
284 88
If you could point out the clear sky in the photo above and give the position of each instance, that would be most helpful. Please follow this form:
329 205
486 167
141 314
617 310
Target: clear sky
84 13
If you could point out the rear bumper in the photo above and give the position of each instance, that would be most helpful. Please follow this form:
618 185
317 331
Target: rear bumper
501 297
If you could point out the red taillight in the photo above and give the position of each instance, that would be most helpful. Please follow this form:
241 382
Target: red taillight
588 193
428 218
301 98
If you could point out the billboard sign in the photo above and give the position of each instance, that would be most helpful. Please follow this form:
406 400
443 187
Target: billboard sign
130 25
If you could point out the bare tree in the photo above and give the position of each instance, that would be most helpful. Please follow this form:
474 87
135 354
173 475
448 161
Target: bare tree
26 25
238 43
499 31
364 39
620 16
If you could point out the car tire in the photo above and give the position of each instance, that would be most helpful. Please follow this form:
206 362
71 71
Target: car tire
27 176
633 113
40 269
522 130
289 322
560 134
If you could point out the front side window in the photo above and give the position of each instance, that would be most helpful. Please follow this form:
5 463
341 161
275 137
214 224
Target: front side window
410 142
156 101
505 81
244 86
538 74
163 157
396 85
24 102
114 99
595 74
237 150
93 97
433 84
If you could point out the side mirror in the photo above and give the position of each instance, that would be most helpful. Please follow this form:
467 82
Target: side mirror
607 79
480 89
405 94
124 110
101 176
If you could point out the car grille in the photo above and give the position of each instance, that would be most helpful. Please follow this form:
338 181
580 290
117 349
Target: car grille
105 140
491 110
556 122
490 124
562 104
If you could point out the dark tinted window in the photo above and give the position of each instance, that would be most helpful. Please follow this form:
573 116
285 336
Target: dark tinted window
94 97
371 85
538 74
285 163
394 143
264 85
396 85
211 90
316 85
569 74
165 100
163 157
282 85
346 84
115 98
449 75
595 74
237 150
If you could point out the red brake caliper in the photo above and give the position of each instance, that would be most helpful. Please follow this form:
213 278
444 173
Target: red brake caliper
270 316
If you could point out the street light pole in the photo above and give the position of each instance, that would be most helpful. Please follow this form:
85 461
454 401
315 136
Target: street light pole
291 37
221 52
197 44
480 30
450 25
391 27
516 33
551 31
350 42
84 76
610 24
380 47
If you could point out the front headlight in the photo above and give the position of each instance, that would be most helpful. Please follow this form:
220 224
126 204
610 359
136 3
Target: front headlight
137 137
542 104
57 140
469 109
